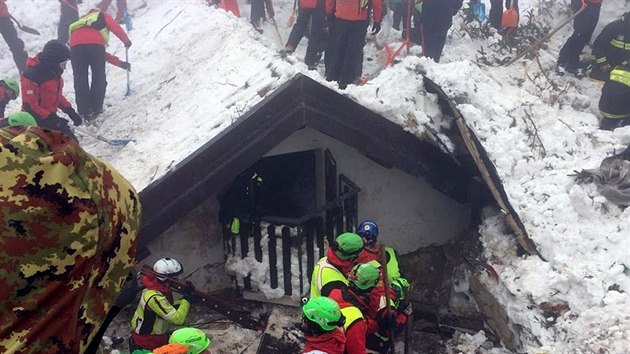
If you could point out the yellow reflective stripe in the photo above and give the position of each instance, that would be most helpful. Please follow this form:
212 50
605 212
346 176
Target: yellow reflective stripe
615 116
601 60
620 44
620 76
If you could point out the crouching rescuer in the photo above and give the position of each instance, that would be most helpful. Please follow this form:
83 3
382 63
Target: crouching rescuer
614 104
157 309
322 324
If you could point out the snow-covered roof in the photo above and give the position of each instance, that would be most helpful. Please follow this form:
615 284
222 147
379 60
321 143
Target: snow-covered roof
196 69
297 104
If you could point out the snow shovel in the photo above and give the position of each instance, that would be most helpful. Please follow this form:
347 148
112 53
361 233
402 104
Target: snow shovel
128 92
113 142
25 28
275 29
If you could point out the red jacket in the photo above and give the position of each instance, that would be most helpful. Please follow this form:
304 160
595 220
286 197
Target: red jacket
333 342
308 4
42 89
351 10
4 10
90 35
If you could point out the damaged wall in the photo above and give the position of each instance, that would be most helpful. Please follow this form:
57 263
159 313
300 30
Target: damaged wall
410 213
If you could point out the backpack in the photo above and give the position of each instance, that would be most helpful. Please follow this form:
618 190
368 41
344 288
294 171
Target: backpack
510 17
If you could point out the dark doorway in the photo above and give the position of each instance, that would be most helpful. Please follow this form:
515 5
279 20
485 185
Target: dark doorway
281 186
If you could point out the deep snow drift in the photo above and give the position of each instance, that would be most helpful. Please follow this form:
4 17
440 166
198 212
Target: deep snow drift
197 69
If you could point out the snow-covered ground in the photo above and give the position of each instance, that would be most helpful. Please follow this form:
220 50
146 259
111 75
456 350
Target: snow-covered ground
196 69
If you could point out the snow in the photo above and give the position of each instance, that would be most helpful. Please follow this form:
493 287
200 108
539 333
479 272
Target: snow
195 70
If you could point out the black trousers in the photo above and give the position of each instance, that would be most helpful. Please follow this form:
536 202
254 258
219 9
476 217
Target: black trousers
317 36
53 122
16 46
344 55
435 31
257 10
89 95
69 14
612 124
496 11
583 28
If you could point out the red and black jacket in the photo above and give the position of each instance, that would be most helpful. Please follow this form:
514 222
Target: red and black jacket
91 35
42 88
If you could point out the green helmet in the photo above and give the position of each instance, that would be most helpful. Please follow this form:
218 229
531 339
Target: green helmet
348 245
323 311
12 85
401 287
193 338
21 118
364 276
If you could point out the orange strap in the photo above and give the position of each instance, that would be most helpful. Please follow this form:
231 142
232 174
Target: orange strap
173 348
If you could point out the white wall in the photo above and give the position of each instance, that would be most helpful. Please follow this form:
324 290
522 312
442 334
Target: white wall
409 212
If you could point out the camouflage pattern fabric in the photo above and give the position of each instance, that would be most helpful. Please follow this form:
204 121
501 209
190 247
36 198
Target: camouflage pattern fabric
68 230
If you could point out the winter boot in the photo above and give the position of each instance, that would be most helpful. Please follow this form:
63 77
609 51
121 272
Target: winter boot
560 69
258 26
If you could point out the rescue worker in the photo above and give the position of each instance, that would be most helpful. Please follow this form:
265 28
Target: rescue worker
329 279
150 322
611 48
437 19
496 12
614 104
312 13
17 119
322 324
368 230
88 37
350 20
187 340
9 90
370 297
583 26
42 89
72 222
16 45
69 13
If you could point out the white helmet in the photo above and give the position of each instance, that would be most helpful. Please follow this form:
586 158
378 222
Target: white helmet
168 266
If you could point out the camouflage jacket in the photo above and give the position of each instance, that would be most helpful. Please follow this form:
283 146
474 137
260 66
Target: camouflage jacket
68 227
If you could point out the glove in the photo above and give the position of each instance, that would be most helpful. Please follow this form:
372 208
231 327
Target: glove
128 44
376 27
76 118
407 310
125 65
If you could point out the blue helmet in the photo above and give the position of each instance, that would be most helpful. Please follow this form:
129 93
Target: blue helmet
369 231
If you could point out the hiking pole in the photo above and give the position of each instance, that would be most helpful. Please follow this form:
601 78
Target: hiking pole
113 142
26 29
127 60
388 300
537 45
